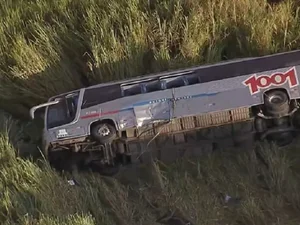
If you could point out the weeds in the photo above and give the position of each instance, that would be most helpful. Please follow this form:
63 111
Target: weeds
48 47
193 190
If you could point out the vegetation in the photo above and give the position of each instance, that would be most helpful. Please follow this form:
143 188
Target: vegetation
32 193
48 47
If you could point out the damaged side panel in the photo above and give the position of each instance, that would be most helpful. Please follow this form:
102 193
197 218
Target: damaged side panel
127 119
154 111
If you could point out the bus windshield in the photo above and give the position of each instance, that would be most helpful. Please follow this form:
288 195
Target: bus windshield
63 112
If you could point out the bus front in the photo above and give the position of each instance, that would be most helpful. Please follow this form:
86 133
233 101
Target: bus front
59 111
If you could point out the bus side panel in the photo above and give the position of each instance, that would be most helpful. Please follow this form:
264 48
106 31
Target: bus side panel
159 110
144 108
126 119
220 95
233 93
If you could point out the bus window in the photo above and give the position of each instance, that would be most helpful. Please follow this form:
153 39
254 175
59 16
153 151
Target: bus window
99 95
134 89
192 79
63 112
174 82
153 86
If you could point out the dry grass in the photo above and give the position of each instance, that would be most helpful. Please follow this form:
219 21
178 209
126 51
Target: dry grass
32 193
48 47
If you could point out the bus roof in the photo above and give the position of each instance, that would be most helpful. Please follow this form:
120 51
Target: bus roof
222 70
217 71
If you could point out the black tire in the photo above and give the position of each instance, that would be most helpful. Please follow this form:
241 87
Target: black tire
281 139
260 125
276 103
107 135
296 119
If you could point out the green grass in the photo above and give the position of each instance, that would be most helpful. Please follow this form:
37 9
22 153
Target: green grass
48 47
32 193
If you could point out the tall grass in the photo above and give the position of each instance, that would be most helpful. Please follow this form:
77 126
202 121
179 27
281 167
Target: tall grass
48 47
194 190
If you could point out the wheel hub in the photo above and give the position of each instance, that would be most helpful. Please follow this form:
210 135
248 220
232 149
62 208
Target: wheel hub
276 99
104 131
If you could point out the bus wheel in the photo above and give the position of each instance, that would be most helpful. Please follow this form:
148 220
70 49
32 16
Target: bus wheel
276 102
281 139
104 133
260 125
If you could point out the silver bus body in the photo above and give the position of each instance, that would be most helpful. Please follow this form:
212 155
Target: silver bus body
198 97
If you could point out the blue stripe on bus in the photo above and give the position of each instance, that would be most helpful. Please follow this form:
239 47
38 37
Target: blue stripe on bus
184 97
153 101
166 99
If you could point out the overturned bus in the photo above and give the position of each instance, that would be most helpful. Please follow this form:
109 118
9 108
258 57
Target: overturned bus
111 122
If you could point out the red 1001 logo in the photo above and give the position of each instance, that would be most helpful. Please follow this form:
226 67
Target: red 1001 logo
256 83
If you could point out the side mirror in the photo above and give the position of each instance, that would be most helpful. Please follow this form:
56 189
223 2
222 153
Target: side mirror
35 108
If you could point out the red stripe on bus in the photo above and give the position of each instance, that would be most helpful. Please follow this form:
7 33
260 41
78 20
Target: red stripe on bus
90 116
110 112
98 114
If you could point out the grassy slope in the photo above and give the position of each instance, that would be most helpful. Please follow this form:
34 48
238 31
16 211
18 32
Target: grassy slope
47 47
31 193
